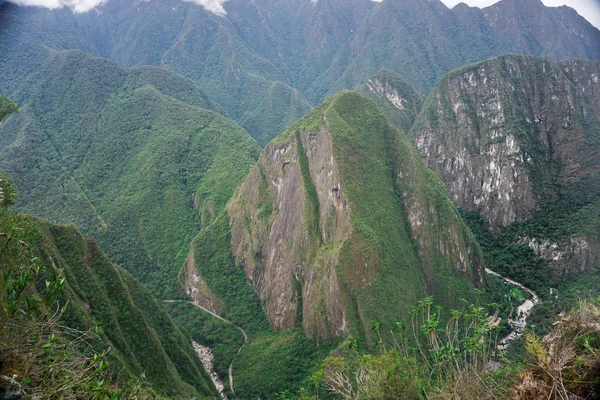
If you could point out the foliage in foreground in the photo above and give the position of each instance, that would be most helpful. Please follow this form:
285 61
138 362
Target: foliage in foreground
37 353
435 356
62 336
564 364
451 362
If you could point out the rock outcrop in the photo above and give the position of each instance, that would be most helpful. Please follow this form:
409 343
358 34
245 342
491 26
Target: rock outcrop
340 223
514 133
576 253
399 101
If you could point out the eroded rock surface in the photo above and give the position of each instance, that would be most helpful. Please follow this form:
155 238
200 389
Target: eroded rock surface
340 223
275 235
576 253
510 133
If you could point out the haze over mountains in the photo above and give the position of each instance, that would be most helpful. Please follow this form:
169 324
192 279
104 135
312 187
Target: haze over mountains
142 122
266 62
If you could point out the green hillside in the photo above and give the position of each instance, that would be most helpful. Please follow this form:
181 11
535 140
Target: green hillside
354 204
135 158
103 310
296 52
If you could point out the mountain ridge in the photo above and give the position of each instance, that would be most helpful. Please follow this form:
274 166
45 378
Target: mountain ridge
314 190
313 50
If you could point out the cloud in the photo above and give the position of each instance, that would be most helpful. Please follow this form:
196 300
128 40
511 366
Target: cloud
82 6
589 9
214 6
78 6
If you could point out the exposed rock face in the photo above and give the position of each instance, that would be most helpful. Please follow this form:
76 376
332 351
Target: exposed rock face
399 101
576 253
438 235
385 90
319 224
196 288
512 132
279 251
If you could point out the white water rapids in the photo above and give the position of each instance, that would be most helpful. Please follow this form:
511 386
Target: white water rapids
518 324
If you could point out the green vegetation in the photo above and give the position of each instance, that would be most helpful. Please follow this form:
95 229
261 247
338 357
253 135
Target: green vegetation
133 157
7 106
76 326
281 105
442 364
275 362
564 363
402 115
370 153
215 263
266 65
427 359
271 361
383 260
223 339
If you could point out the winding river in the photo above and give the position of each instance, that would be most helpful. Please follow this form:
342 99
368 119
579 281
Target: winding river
518 324
204 354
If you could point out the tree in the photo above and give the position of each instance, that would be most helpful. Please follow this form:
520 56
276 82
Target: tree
7 106
7 190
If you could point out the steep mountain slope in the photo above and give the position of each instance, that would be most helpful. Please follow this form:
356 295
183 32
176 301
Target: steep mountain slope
341 223
176 35
395 98
516 139
422 40
118 314
134 157
142 337
305 50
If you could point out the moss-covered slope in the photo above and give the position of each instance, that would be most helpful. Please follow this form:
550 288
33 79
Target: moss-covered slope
140 338
137 158
340 223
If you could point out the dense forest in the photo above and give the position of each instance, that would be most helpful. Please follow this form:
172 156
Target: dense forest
284 199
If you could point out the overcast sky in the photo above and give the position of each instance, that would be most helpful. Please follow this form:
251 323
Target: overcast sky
590 9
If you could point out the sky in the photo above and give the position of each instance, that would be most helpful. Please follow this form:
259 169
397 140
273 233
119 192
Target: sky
589 9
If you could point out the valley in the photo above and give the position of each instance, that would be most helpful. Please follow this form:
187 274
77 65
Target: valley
278 199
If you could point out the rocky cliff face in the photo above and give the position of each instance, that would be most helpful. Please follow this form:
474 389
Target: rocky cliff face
577 253
511 134
517 140
399 101
340 223
279 222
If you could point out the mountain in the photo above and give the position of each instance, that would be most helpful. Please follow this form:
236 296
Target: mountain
103 311
399 101
423 40
516 139
266 61
189 40
137 158
340 223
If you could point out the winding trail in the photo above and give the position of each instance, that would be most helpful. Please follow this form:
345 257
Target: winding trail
518 325
224 320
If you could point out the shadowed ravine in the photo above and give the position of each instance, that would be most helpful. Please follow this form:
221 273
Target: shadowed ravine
224 320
